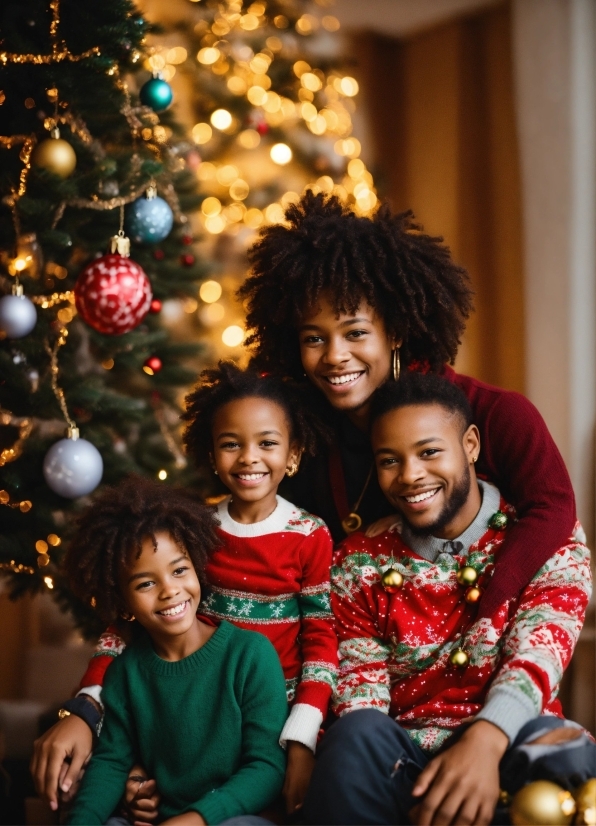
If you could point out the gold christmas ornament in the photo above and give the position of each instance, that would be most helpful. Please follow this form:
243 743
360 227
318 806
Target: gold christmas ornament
473 594
542 803
392 580
467 575
55 155
585 800
459 658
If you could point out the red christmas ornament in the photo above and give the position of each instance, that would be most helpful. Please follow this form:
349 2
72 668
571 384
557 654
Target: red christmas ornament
155 306
262 128
187 240
187 259
113 294
152 365
159 255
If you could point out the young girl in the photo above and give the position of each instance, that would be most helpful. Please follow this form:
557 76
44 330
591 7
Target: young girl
272 572
200 704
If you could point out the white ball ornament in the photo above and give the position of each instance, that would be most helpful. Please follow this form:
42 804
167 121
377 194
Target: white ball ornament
18 315
73 467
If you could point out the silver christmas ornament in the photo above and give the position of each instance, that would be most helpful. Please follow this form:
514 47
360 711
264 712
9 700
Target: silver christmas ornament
73 467
18 315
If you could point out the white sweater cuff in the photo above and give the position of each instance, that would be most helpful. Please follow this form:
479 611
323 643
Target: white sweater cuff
93 691
302 725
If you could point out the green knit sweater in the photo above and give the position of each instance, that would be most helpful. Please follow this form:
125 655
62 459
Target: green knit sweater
205 727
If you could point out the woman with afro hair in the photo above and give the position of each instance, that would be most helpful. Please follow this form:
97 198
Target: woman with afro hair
350 302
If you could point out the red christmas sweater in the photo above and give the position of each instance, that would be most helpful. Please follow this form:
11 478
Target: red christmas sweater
394 648
271 577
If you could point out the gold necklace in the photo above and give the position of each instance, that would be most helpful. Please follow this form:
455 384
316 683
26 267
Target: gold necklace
352 522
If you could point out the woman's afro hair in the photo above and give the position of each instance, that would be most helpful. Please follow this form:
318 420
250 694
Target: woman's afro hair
112 530
228 382
407 277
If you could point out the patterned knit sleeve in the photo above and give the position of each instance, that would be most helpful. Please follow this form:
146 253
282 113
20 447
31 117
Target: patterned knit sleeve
363 679
539 644
319 642
109 645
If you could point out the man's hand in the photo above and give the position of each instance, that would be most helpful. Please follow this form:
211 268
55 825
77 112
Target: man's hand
58 757
141 798
381 525
461 785
187 819
301 762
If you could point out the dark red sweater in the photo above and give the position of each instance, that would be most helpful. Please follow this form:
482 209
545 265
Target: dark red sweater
517 454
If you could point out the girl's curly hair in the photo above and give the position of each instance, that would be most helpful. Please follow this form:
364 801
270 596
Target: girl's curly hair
228 382
407 277
113 528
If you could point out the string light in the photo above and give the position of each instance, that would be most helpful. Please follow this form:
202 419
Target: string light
10 454
60 53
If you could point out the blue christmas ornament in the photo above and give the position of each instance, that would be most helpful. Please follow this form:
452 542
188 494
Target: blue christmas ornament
149 220
157 94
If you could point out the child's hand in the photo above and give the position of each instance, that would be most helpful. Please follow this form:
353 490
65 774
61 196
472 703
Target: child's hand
187 819
58 757
381 525
301 762
461 785
141 798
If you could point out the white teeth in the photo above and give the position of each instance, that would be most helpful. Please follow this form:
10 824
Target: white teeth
420 497
342 379
171 612
250 477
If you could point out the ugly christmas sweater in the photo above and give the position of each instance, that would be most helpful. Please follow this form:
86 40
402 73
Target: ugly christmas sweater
395 647
272 577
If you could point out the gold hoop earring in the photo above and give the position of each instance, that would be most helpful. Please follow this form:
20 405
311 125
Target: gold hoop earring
292 470
127 617
396 364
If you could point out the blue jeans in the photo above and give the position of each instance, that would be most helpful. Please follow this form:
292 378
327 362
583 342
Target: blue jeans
367 766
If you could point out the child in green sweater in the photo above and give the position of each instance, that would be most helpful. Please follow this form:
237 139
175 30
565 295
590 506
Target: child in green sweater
200 705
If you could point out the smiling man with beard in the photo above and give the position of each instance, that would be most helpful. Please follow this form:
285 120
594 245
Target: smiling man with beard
440 709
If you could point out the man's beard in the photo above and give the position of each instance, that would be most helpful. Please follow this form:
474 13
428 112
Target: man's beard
451 508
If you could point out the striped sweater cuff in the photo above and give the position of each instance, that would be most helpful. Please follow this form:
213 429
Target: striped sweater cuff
93 691
302 725
508 710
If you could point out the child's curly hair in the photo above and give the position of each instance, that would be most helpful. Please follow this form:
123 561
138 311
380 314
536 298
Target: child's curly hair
228 382
113 528
407 277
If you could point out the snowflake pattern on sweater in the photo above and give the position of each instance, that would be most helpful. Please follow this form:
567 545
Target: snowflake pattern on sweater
394 648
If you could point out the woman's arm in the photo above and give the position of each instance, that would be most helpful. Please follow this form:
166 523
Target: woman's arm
519 455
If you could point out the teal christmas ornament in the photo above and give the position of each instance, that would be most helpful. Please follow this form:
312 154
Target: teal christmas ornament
157 94
149 219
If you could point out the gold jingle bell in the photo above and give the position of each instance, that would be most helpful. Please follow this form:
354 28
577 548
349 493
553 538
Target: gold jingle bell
392 580
459 658
473 594
542 803
585 800
467 575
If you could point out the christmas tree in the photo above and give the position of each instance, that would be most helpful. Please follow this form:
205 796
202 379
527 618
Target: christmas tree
91 375
273 99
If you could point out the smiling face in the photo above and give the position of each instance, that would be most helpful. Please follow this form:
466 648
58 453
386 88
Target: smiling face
425 468
346 356
162 590
251 452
